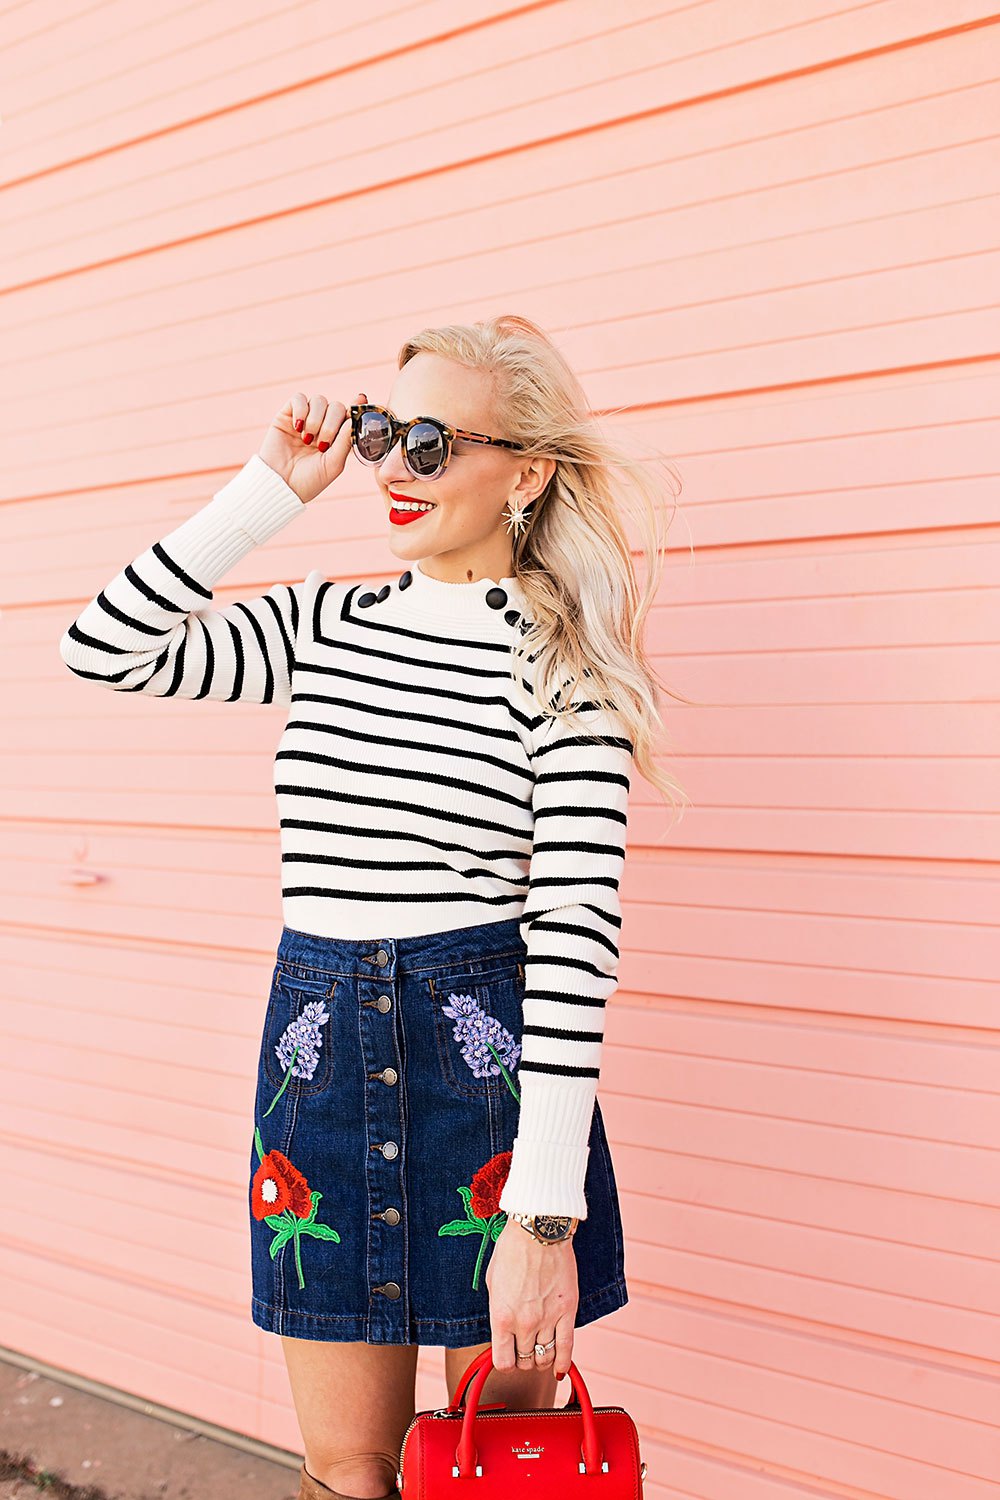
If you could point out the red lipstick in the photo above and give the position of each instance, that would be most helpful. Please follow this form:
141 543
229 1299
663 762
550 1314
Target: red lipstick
404 517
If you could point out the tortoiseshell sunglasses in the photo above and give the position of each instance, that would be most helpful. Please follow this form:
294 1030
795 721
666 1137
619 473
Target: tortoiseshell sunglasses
427 443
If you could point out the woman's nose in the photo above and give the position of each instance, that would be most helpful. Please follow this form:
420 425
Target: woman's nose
392 471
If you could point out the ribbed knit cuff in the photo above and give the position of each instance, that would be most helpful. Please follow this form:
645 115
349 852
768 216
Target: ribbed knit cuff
245 512
546 1177
551 1148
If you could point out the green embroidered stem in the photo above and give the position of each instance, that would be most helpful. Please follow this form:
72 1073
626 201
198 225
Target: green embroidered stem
298 1256
285 1082
486 1238
507 1077
258 1142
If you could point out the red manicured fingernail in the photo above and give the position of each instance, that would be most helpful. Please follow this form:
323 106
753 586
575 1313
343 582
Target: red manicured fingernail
300 424
307 437
322 447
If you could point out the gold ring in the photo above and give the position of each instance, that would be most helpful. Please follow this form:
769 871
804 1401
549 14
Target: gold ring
538 1350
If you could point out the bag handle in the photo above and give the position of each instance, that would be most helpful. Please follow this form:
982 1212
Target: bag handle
477 1373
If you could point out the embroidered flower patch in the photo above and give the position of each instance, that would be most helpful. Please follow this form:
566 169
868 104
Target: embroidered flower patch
282 1198
303 1037
487 1046
299 1046
483 1214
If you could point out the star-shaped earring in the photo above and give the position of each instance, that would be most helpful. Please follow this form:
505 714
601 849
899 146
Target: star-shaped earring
516 517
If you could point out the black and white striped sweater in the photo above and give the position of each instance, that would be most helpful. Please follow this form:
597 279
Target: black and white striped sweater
418 787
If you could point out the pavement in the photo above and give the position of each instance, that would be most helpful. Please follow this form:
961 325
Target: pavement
70 1444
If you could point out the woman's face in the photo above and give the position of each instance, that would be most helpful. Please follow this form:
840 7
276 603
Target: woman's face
464 537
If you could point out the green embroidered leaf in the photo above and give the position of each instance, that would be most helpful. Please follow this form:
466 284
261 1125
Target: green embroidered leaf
463 1226
319 1231
276 1221
316 1196
280 1240
260 1144
466 1193
498 1225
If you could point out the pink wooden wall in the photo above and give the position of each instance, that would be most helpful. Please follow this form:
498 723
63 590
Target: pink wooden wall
770 229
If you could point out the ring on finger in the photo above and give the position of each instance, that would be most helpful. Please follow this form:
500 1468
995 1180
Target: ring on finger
538 1351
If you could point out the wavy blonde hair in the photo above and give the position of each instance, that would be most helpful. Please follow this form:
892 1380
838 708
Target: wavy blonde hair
574 562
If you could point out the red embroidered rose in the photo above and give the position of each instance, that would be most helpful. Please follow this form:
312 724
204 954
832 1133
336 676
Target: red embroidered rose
278 1185
487 1185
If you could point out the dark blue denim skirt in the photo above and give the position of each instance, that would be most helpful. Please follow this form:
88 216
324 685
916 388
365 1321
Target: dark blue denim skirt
382 1137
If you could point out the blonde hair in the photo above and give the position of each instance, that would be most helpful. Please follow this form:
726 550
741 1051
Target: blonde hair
586 604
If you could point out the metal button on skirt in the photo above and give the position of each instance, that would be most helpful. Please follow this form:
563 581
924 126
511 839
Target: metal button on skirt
386 1108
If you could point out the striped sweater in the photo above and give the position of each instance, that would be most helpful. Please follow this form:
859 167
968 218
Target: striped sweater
418 787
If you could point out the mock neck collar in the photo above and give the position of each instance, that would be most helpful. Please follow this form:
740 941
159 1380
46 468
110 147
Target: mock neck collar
479 600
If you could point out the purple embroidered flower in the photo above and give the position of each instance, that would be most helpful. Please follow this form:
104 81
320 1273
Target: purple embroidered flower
473 1028
303 1033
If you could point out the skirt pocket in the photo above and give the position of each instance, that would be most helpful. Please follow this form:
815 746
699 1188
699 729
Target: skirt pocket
477 1019
296 1044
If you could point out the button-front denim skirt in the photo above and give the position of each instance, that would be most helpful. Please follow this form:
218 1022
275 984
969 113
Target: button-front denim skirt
382 1137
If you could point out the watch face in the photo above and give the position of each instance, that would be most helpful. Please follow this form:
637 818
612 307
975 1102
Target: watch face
552 1226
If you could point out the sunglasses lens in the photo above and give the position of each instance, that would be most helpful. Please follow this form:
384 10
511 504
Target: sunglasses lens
425 445
373 436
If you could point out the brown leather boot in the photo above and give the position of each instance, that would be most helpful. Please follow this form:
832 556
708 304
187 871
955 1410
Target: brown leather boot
314 1489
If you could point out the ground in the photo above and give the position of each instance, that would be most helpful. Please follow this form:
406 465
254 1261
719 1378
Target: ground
66 1444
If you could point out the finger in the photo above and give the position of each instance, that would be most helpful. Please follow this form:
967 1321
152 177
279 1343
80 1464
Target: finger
547 1360
337 424
504 1353
503 1349
315 419
564 1344
526 1342
332 424
294 411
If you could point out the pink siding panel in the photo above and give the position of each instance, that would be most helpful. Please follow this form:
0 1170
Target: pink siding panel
770 233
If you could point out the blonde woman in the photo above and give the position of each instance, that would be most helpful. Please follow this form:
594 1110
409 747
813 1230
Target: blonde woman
429 1163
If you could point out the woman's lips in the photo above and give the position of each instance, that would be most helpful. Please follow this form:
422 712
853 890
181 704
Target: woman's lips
404 517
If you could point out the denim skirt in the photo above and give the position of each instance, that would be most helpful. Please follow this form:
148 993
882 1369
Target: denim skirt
383 1128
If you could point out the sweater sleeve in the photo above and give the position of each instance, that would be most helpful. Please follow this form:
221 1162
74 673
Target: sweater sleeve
570 925
152 630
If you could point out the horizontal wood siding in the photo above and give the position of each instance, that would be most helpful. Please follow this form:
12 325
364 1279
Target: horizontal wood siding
768 232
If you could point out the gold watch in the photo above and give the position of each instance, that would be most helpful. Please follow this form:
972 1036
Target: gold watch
547 1229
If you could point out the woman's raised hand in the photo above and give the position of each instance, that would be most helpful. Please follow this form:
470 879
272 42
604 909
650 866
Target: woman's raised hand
308 442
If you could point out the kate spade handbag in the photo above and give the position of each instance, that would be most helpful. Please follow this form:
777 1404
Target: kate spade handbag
567 1451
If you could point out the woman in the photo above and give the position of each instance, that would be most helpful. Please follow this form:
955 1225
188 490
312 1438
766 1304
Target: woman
429 1161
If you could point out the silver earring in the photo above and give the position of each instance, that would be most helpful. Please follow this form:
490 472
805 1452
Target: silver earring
516 517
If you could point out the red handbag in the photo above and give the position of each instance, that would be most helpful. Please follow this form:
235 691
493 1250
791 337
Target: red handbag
552 1451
